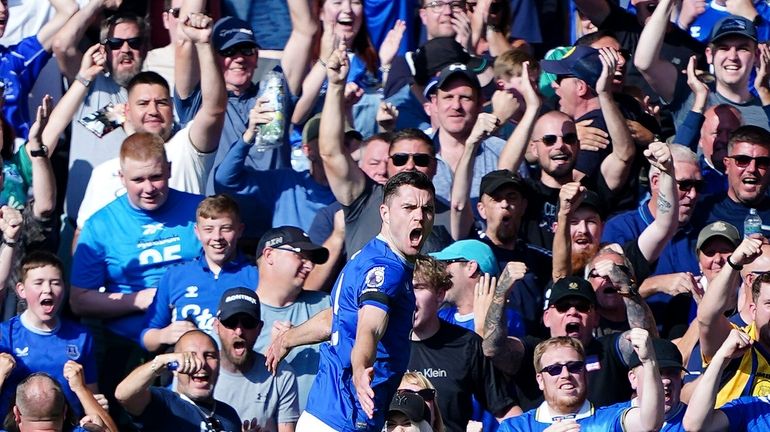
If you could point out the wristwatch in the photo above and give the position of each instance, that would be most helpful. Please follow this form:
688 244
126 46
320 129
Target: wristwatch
83 80
41 152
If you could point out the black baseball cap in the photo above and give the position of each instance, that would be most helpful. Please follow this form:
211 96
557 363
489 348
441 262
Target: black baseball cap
440 52
581 62
733 26
294 238
494 180
239 300
570 286
412 405
666 352
457 70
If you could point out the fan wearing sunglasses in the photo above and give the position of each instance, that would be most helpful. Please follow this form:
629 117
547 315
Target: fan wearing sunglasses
561 368
747 166
191 407
244 375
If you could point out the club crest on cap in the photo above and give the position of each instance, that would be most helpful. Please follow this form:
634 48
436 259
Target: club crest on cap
573 285
719 226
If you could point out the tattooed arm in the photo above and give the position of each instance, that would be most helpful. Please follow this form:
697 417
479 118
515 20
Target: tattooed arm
659 233
505 352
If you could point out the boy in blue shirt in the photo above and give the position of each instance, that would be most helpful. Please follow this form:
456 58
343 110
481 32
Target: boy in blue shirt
39 339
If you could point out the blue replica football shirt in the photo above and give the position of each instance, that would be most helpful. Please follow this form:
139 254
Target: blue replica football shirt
38 351
590 419
20 65
127 250
748 413
378 277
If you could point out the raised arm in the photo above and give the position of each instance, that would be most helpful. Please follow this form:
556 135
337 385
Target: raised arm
73 373
657 235
372 323
700 414
314 79
316 329
660 74
65 9
65 44
134 391
43 183
651 410
461 214
722 296
207 125
91 65
570 197
617 165
187 71
296 54
506 352
10 225
516 146
345 178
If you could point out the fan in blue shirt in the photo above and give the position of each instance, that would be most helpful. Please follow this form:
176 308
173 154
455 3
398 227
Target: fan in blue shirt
188 294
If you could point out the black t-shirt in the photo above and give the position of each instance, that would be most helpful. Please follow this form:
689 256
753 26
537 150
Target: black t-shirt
455 364
607 373
363 221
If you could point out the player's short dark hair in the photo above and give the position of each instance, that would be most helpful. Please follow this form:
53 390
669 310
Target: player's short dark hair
407 178
749 134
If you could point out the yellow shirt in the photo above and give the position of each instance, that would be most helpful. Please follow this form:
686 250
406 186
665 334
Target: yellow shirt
753 375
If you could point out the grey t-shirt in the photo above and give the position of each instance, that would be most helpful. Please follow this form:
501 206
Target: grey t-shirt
751 111
363 221
86 149
272 399
303 360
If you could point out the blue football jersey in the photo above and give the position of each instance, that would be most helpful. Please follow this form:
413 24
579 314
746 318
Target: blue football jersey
378 277
748 413
592 420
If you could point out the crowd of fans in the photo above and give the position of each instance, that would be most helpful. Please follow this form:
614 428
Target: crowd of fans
360 215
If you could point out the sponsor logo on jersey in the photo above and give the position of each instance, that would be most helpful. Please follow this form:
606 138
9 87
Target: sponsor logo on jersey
151 229
22 352
376 277
191 291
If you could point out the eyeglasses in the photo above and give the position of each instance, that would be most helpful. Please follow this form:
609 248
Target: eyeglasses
426 394
568 138
438 6
688 185
573 367
243 50
173 12
454 260
114 43
420 159
564 306
245 321
213 424
742 161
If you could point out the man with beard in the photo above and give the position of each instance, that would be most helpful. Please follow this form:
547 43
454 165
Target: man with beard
579 222
189 408
562 368
285 257
123 36
746 165
244 381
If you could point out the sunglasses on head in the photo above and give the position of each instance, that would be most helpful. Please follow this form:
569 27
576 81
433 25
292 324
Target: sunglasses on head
426 394
115 43
235 50
565 305
573 367
420 159
742 161
568 138
245 321
688 185
173 12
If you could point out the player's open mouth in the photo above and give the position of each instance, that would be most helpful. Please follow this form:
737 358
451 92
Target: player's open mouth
415 236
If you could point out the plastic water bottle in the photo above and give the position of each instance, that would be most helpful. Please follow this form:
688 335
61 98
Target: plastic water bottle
270 135
752 224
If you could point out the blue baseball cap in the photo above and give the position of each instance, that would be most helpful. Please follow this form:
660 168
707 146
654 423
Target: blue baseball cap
734 26
581 62
470 250
230 31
